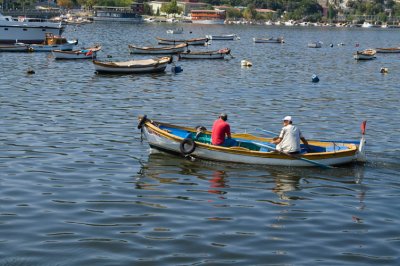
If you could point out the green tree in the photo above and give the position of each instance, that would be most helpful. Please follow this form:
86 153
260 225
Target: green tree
171 8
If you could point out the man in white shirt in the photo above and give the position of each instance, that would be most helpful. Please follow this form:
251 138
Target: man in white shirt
289 138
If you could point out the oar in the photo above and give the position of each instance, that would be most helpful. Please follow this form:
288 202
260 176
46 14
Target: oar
325 166
339 141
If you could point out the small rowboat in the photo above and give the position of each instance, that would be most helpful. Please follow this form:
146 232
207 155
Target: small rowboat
218 54
388 50
193 41
223 37
317 44
84 53
15 47
53 42
249 149
133 66
174 49
366 54
269 40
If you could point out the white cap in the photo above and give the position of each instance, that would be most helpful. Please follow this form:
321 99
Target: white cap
287 118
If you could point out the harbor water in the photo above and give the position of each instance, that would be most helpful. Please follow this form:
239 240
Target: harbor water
78 186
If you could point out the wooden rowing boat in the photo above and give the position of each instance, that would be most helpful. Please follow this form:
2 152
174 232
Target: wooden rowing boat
133 66
84 53
249 149
269 40
390 50
218 54
193 41
223 37
173 49
366 54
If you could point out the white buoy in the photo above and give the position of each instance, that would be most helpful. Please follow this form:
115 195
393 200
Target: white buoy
384 70
246 63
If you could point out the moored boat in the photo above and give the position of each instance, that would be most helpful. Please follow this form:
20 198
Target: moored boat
84 53
53 42
389 50
366 54
174 49
269 40
133 66
26 30
193 41
223 37
175 31
317 44
16 47
249 149
217 54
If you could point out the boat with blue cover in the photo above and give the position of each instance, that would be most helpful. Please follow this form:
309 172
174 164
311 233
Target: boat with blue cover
195 142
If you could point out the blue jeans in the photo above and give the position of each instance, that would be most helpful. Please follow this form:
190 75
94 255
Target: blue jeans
229 143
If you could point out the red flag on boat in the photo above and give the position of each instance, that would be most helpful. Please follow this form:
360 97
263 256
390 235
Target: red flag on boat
363 127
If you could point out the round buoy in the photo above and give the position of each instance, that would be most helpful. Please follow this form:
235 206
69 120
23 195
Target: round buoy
315 78
246 63
30 71
384 70
109 56
331 45
176 69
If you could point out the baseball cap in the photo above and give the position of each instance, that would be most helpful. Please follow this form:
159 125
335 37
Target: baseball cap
287 118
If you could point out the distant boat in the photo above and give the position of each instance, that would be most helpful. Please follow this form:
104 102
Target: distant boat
317 44
218 54
366 54
16 47
133 66
173 49
388 50
223 37
175 31
84 53
269 40
193 41
366 25
117 14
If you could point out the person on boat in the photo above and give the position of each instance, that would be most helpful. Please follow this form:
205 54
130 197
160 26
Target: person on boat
220 130
289 138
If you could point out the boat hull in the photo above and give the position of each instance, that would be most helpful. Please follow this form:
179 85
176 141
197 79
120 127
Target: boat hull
267 40
229 37
28 32
132 67
89 53
198 41
219 54
157 50
48 48
164 139
388 50
15 47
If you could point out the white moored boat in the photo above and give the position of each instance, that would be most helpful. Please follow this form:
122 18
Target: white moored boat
366 54
269 40
26 30
133 66
84 53
223 37
174 49
218 54
249 149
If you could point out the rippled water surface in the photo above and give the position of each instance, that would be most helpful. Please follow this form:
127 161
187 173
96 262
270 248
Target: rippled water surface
78 187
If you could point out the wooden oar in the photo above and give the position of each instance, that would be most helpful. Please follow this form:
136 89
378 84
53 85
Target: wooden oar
298 157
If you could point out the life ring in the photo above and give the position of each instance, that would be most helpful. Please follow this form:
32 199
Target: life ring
142 121
187 146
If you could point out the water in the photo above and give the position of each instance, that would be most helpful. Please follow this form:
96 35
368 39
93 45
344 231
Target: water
78 187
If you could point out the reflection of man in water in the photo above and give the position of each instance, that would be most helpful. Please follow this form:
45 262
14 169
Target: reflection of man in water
285 183
218 181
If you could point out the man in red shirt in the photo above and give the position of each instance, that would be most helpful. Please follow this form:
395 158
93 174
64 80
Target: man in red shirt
219 130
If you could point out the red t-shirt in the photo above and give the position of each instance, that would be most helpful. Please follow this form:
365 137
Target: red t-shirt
219 129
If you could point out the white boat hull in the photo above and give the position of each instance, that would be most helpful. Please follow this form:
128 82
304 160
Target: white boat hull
71 55
230 155
229 37
133 66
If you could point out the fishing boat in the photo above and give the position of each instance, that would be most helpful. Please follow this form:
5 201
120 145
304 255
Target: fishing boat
390 50
174 49
249 149
223 37
53 42
84 53
26 30
269 40
193 41
217 54
367 54
317 44
175 31
16 47
133 66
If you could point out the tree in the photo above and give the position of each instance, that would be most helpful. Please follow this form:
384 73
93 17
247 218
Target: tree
65 3
171 8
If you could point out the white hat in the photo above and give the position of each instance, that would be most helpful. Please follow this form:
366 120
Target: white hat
287 118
